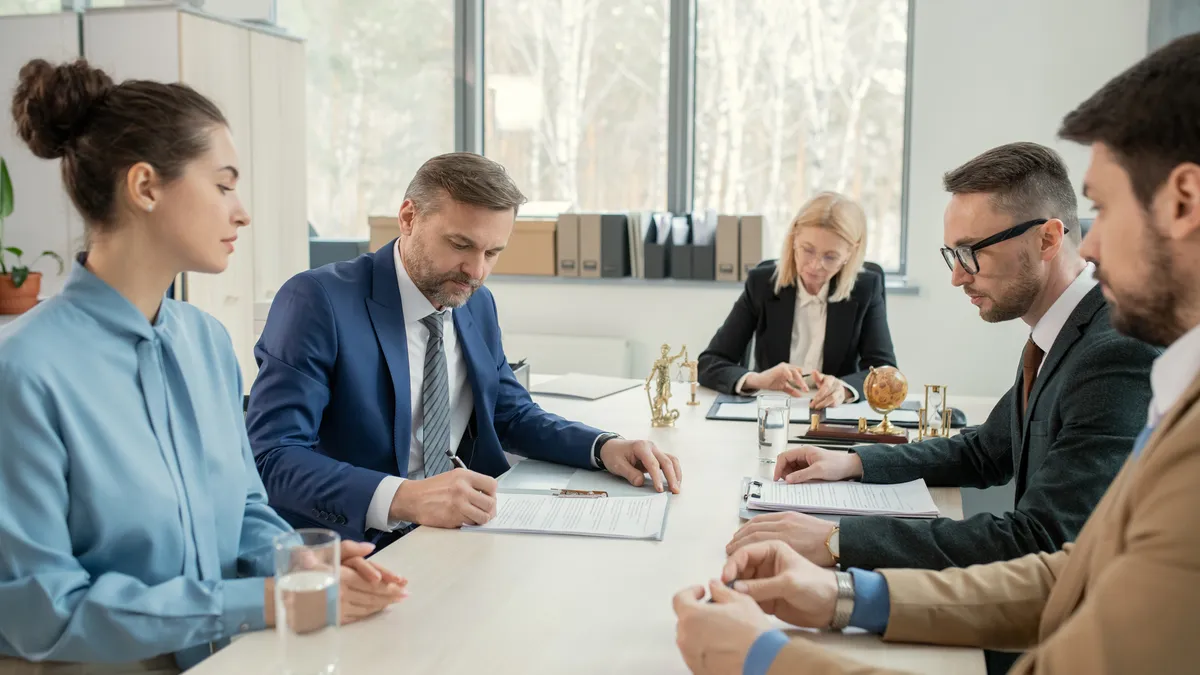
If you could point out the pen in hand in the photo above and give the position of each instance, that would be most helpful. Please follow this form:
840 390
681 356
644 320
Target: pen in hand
454 458
728 584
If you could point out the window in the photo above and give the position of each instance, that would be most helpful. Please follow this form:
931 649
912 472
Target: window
29 6
575 105
793 98
380 102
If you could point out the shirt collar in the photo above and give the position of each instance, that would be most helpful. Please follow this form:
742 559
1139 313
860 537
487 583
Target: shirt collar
93 296
1172 374
804 298
414 303
1046 331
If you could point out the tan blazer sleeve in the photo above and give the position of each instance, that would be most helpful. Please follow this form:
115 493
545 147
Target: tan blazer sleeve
995 606
1141 609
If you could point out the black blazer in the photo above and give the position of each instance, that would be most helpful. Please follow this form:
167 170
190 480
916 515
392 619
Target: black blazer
1086 407
856 331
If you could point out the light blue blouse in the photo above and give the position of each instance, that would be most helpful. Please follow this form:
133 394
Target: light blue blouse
133 522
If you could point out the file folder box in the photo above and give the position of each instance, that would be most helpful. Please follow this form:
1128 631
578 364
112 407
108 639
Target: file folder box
704 262
752 244
728 248
656 256
566 240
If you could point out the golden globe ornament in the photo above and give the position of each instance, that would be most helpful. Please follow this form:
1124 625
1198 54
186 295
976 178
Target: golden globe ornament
885 390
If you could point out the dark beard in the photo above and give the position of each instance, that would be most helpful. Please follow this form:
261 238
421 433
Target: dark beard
433 284
1148 313
1018 297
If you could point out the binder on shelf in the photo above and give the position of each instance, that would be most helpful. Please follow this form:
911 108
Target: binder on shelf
614 245
567 242
728 248
655 249
681 251
704 249
751 243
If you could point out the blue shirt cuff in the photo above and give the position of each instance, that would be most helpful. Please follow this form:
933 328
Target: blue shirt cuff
763 652
872 606
242 606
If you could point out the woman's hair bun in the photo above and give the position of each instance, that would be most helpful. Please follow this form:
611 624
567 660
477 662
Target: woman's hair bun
51 104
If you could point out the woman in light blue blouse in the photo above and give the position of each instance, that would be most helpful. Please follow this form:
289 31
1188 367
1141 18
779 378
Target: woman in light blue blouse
134 528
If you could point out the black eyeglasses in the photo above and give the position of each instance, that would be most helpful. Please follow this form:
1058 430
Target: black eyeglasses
965 255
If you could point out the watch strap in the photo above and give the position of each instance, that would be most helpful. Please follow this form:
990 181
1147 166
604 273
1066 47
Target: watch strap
844 607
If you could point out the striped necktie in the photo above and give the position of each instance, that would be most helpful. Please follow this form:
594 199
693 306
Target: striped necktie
435 401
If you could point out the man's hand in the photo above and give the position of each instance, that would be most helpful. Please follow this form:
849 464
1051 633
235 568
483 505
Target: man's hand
452 499
830 392
803 533
632 459
805 463
714 638
784 583
782 377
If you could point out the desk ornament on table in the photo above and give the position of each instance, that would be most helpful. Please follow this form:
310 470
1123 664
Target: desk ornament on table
934 418
661 414
691 367
885 390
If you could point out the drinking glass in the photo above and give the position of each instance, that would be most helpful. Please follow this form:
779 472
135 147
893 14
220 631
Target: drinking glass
307 564
774 420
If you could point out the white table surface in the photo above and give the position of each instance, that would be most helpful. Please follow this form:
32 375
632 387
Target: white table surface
532 604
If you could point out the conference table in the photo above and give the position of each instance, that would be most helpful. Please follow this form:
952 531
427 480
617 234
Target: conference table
529 604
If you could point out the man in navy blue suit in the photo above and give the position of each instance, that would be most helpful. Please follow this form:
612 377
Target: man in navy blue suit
378 375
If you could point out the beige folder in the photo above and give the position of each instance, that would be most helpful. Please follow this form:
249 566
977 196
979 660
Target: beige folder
383 229
752 244
567 240
589 245
728 248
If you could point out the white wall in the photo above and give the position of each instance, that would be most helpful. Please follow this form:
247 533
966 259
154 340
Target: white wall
984 74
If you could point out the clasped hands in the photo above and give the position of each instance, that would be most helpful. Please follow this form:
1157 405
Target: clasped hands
789 379
778 565
464 497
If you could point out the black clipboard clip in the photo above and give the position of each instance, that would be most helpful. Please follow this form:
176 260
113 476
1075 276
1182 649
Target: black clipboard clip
753 489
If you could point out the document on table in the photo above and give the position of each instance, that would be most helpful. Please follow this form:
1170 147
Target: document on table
905 500
748 412
853 411
614 517
587 387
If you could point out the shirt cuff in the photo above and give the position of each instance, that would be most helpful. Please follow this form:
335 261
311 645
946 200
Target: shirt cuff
763 652
381 503
738 388
872 605
852 393
242 606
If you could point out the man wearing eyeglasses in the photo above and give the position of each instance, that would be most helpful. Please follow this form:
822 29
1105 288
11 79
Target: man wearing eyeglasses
1062 431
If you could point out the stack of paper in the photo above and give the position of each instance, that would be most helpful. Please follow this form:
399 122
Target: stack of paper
748 412
587 387
615 517
904 500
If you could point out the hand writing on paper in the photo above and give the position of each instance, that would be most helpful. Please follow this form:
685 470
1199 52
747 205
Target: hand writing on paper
802 533
451 499
830 392
805 463
632 459
714 638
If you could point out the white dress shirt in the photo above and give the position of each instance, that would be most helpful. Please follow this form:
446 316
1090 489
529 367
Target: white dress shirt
1046 330
1173 372
808 336
416 307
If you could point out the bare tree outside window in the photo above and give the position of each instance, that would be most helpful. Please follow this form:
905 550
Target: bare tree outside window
798 96
576 100
380 101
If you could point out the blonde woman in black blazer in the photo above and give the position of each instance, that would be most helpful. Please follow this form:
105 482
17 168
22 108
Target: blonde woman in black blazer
818 316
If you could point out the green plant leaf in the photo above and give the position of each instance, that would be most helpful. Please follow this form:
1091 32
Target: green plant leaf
19 274
17 252
6 191
55 257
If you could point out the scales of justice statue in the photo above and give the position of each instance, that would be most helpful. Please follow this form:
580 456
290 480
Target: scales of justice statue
661 413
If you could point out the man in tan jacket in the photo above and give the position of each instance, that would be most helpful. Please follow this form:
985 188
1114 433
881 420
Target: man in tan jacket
1125 598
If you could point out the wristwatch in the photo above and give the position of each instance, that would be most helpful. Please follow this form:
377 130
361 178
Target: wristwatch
844 607
833 544
600 441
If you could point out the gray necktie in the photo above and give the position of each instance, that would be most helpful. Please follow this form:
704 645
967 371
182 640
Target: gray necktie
435 401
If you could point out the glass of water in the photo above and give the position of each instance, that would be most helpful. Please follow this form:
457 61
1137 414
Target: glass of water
307 564
774 420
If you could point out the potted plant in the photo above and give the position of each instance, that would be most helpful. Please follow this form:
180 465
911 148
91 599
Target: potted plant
19 287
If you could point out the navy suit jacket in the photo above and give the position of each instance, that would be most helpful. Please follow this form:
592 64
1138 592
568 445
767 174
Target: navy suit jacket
329 414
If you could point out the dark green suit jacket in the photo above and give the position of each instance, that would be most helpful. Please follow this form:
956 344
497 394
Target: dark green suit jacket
1087 405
